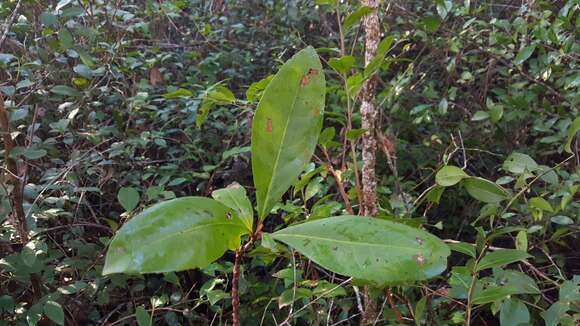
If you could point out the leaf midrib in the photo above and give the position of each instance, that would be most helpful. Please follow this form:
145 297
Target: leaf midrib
263 213
310 237
188 230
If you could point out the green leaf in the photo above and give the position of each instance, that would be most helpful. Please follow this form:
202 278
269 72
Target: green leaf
522 241
286 126
554 313
234 197
65 38
48 19
65 91
541 203
570 290
493 293
524 54
562 220
128 198
53 310
72 288
175 235
220 95
480 116
379 58
571 133
444 7
356 16
353 84
142 316
368 249
522 283
342 65
291 295
420 309
518 163
513 313
254 92
34 154
501 257
178 93
235 152
485 190
464 248
496 113
354 134
430 23
326 136
449 175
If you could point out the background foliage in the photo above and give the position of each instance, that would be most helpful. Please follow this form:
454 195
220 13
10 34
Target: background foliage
117 105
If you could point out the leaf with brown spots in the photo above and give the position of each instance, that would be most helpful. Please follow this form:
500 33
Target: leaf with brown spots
269 126
286 127
369 249
306 79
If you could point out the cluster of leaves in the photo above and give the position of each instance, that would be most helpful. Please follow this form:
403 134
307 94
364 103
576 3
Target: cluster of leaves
119 105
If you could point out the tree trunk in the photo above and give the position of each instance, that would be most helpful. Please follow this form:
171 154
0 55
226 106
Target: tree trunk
369 114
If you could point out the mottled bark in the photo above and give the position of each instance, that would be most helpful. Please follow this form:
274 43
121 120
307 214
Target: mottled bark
369 116
369 113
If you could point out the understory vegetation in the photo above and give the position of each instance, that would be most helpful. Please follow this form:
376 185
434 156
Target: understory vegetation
205 162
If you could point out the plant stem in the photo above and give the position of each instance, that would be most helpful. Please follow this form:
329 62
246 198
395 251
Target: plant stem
235 287
236 274
19 217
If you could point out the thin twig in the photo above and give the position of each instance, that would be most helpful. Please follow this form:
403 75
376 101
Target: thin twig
10 22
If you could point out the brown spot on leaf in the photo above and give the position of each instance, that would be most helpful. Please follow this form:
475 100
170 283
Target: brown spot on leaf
306 79
420 259
420 241
269 125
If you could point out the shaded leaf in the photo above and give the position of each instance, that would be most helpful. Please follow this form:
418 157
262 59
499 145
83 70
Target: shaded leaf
571 133
501 257
343 64
541 203
524 54
128 198
65 91
356 16
518 163
449 175
513 313
142 316
484 190
53 310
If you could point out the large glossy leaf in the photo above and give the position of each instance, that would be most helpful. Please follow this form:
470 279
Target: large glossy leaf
175 235
369 249
286 127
